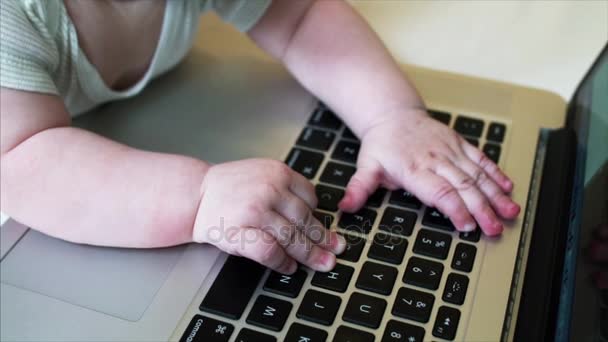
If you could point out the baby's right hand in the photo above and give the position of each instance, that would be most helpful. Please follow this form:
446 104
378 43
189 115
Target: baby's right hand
262 210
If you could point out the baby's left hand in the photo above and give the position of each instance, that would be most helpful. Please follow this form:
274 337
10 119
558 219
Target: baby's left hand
414 152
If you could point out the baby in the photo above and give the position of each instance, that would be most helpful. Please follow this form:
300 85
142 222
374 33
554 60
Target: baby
61 58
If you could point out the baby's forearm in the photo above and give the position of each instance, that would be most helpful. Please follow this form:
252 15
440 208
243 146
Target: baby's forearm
81 187
335 54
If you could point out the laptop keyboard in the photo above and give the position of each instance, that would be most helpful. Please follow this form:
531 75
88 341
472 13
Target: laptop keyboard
404 275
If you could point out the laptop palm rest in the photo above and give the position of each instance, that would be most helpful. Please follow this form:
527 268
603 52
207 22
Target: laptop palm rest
114 281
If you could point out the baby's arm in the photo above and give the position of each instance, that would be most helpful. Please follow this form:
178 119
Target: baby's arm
79 186
332 51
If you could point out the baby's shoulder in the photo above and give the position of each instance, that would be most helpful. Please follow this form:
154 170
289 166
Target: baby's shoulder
29 51
33 29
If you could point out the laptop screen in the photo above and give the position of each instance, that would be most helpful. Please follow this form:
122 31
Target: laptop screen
583 308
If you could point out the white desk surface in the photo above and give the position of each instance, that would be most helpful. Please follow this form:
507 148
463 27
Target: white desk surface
542 44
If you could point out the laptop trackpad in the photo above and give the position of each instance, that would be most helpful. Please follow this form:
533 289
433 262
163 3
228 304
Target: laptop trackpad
118 282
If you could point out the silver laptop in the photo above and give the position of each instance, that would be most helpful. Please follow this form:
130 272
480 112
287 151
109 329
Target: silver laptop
406 276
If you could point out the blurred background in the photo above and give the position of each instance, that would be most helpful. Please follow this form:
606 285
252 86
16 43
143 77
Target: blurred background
542 44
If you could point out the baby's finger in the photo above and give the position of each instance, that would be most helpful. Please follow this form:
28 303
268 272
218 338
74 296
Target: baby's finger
304 189
297 245
294 210
479 158
435 191
329 240
502 204
476 203
259 246
362 184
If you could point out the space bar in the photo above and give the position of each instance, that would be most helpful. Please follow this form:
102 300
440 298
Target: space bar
233 287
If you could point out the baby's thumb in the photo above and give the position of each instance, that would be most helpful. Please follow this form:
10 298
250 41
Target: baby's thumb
363 183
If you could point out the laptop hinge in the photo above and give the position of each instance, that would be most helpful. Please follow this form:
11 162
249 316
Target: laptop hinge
541 287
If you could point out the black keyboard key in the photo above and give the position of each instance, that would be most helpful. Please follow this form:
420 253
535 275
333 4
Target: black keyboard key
286 285
464 257
306 163
348 134
404 198
364 310
440 116
388 248
473 141
455 288
269 313
348 334
375 200
323 117
496 132
346 151
414 305
402 332
335 280
233 287
398 221
204 329
337 174
433 244
316 139
319 307
325 218
435 219
303 333
446 323
328 197
492 151
468 126
354 247
472 236
377 278
360 222
248 335
423 273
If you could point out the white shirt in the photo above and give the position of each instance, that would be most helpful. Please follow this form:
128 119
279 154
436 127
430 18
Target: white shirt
39 49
